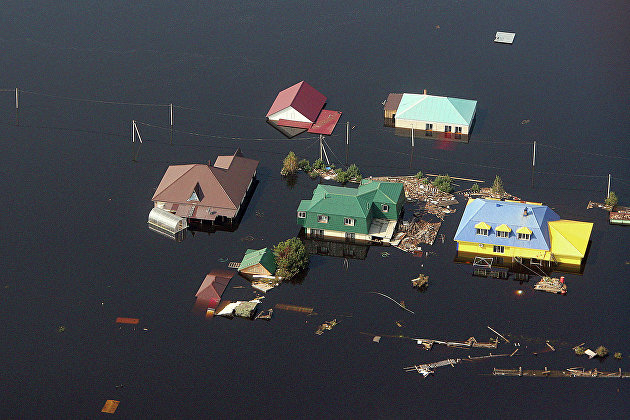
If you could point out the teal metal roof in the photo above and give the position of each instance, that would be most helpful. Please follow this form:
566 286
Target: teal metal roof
436 108
263 256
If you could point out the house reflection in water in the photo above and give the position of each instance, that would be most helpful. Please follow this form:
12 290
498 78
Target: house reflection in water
339 249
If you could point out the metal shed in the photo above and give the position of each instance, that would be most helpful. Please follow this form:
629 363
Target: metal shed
166 220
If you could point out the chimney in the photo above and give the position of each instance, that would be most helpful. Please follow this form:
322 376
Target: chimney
425 92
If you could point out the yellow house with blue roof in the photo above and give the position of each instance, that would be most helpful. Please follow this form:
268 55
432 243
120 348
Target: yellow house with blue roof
521 232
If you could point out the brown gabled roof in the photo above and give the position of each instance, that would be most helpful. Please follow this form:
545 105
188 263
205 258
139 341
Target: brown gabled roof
221 187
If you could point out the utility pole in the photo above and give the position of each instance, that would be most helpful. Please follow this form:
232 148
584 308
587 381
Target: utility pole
347 139
171 109
321 146
608 193
17 107
533 162
413 145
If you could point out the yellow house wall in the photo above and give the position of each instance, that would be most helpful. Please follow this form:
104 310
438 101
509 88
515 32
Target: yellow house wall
510 251
256 269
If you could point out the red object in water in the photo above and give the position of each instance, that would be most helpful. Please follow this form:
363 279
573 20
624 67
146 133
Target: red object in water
562 279
123 320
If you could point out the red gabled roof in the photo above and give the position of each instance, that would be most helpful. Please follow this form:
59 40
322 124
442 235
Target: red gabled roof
295 124
302 97
219 187
213 286
326 122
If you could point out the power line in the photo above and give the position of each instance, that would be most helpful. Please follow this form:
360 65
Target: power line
69 98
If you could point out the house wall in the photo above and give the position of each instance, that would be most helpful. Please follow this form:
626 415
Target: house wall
394 209
340 235
256 269
335 222
289 113
509 251
421 125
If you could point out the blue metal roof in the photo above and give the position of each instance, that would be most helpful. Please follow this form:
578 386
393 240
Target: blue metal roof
495 213
436 108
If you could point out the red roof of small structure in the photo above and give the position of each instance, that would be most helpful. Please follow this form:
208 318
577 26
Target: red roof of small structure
294 124
218 189
213 286
302 97
326 122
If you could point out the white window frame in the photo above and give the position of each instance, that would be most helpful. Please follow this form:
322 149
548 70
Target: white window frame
500 249
348 221
458 130
448 128
483 232
322 218
502 234
385 208
429 127
301 215
524 236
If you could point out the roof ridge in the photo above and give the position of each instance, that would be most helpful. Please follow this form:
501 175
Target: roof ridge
191 166
448 98
221 184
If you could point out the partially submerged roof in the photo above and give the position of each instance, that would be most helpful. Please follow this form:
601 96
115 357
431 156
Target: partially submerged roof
264 256
302 97
504 37
207 190
326 122
213 286
491 214
440 109
392 101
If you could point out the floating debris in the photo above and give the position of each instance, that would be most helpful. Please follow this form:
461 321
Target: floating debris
61 329
420 282
294 308
266 315
123 320
326 326
506 340
575 372
551 285
385 254
246 309
590 353
471 342
504 37
377 339
262 286
110 406
425 369
525 122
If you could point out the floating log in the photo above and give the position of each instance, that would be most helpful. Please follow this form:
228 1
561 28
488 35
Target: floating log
578 372
506 340
294 308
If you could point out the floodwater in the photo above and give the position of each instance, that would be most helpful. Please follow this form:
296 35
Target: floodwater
77 252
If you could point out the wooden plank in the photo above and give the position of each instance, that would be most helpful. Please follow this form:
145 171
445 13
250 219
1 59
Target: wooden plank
123 320
110 406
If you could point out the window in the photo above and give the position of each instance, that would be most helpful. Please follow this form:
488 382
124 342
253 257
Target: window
481 231
524 236
301 215
385 208
322 218
447 128
429 127
317 233
348 221
458 130
349 236
502 234
499 248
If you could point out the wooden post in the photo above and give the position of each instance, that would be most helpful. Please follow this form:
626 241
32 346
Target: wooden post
412 147
533 162
347 139
171 109
321 147
608 192
17 106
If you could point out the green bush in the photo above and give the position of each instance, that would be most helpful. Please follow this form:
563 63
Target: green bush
354 173
443 183
601 351
313 174
474 188
612 200
291 257
419 175
304 165
579 350
319 164
617 355
342 177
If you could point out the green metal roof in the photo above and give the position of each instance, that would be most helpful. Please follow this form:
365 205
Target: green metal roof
351 202
436 108
263 256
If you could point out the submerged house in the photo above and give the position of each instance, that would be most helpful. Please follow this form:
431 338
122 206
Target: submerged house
214 284
431 115
258 261
207 193
521 233
367 213
300 108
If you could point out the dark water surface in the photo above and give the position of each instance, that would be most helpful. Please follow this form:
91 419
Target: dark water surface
77 252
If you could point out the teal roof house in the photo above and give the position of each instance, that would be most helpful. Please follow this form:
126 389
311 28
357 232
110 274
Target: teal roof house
430 113
367 213
259 261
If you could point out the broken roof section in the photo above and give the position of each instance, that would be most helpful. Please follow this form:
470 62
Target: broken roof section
504 37
201 191
326 122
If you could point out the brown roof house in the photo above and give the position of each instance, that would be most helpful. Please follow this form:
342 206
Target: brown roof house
202 193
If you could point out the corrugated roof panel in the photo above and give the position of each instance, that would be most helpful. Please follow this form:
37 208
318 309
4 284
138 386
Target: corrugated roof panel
436 108
326 122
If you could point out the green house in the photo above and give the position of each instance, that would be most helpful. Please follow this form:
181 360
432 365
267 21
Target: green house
259 261
369 212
